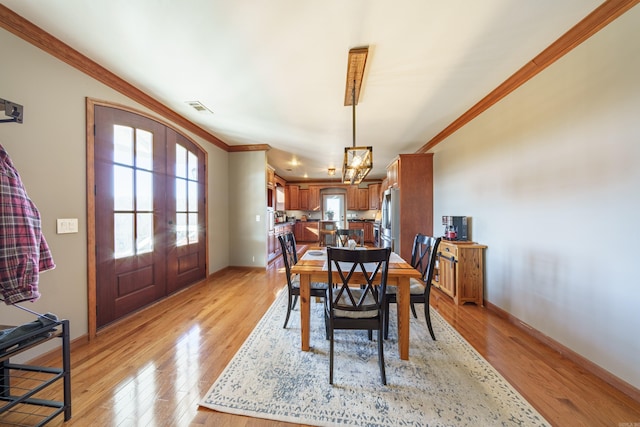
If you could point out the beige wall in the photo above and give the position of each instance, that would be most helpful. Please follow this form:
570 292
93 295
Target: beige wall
551 179
49 151
247 224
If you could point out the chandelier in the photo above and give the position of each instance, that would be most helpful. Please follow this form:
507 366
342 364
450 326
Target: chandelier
358 161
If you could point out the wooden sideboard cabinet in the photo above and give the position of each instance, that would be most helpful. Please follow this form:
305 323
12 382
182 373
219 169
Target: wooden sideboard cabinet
459 271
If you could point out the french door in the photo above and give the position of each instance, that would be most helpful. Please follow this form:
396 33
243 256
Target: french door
149 212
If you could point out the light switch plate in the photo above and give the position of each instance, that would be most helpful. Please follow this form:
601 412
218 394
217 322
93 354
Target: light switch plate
67 225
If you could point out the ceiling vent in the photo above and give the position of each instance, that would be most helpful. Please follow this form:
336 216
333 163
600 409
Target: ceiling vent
199 107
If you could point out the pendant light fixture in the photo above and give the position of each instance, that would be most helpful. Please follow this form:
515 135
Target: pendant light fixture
358 161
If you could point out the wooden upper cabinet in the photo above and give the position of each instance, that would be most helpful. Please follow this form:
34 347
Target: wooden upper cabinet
271 177
393 172
352 197
292 197
304 199
363 199
374 196
314 198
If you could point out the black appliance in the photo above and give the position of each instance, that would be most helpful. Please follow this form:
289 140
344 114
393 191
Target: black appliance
456 228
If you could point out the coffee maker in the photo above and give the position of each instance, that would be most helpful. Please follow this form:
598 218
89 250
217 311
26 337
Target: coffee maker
455 228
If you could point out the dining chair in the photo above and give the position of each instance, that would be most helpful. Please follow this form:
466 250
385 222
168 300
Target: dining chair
356 300
290 258
342 237
357 234
423 259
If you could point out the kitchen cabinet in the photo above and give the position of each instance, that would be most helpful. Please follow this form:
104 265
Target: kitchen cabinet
366 227
314 198
459 271
412 175
273 245
271 187
357 198
352 197
374 196
312 232
304 199
392 173
271 177
307 231
363 199
368 232
292 197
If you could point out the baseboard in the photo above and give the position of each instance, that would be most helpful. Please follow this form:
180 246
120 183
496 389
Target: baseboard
588 365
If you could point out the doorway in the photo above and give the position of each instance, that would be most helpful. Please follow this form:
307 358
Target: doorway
149 216
334 207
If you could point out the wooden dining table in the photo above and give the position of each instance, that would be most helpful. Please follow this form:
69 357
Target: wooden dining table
312 267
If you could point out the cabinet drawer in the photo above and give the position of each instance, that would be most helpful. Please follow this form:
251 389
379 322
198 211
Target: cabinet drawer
448 249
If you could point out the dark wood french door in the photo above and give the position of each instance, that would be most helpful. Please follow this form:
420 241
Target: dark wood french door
149 199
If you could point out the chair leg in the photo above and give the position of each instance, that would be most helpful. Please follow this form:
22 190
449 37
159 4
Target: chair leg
386 319
383 375
413 310
331 355
289 304
427 315
295 300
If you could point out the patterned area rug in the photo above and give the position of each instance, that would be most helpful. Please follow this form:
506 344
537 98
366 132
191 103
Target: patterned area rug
445 382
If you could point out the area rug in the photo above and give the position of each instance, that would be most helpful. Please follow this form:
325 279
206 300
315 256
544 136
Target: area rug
445 382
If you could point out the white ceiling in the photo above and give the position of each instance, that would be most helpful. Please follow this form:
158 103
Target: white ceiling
274 71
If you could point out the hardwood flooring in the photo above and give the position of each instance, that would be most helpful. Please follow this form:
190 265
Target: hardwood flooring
152 368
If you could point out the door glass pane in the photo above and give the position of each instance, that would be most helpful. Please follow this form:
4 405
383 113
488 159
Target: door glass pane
144 149
193 228
181 195
181 161
133 191
122 188
144 241
123 234
193 196
123 145
144 191
181 229
186 196
193 166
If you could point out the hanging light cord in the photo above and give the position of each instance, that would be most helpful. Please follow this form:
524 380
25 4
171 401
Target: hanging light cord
353 104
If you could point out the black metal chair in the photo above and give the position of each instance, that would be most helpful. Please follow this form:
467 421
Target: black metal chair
423 259
290 258
357 300
357 234
342 237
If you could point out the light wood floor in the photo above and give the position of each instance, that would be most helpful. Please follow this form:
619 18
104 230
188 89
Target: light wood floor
152 368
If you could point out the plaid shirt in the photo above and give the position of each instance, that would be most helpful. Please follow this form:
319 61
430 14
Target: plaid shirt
23 249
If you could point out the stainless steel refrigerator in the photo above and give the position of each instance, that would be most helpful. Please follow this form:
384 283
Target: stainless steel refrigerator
390 224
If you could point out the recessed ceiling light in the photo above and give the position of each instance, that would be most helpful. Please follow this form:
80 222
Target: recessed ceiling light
198 106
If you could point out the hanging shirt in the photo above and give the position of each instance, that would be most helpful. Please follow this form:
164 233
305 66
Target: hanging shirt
24 252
